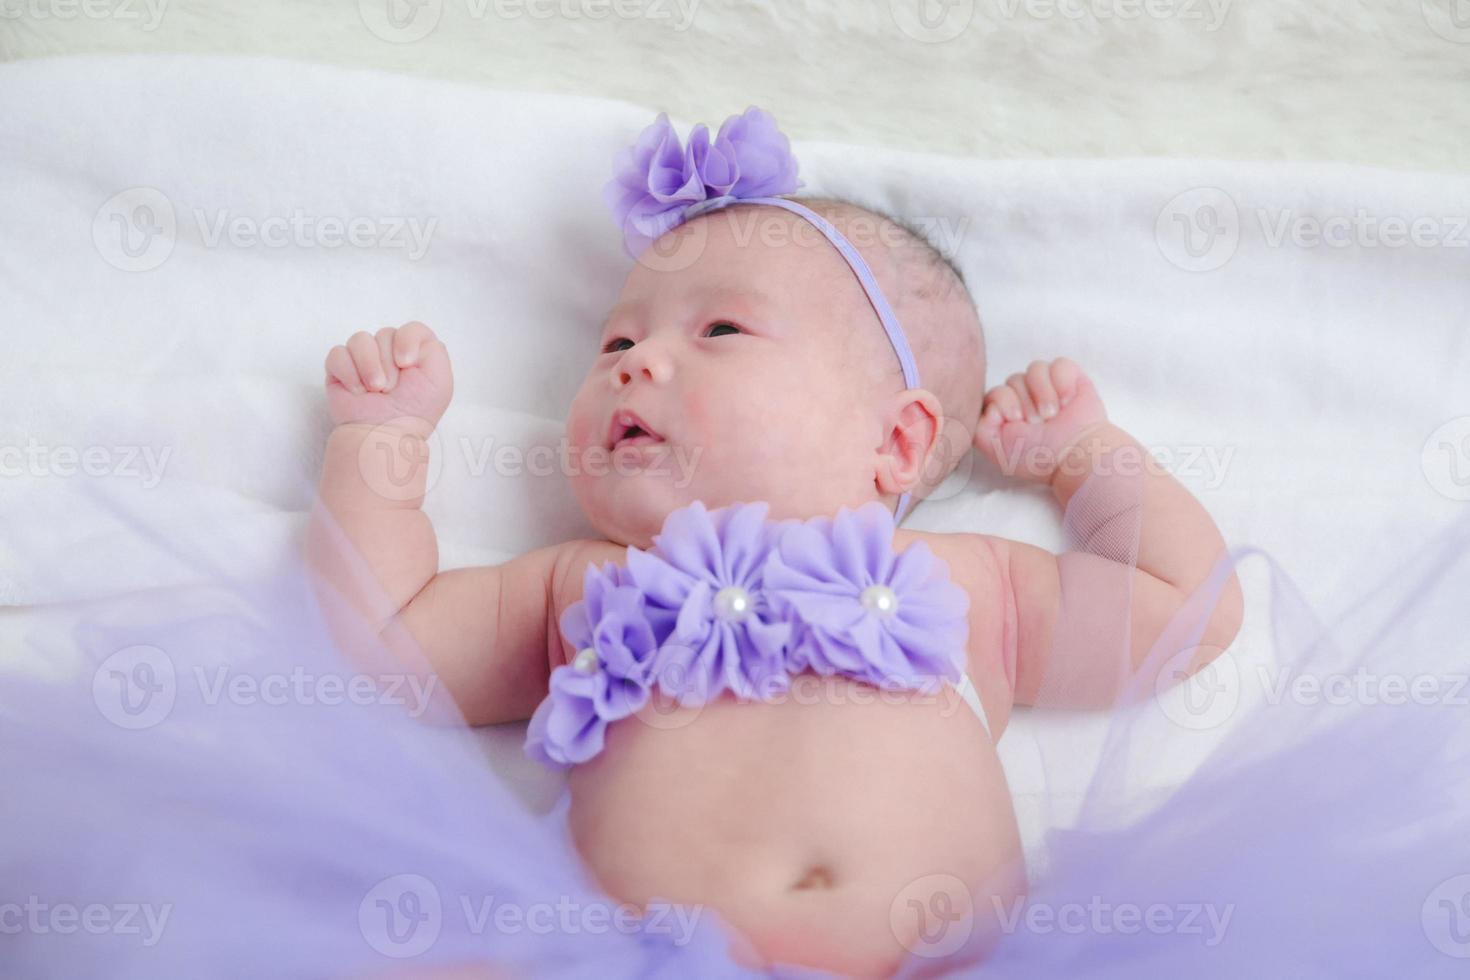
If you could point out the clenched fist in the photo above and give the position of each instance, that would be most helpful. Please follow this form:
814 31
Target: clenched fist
396 373
1028 423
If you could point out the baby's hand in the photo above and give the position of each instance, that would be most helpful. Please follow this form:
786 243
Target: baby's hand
402 371
1027 423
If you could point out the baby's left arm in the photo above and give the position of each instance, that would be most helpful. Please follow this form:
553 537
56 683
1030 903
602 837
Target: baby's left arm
1049 426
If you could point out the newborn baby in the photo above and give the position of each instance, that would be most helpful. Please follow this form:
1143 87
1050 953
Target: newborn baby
750 346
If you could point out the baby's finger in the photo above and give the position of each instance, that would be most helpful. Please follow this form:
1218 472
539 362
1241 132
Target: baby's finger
364 351
1065 374
1017 383
991 419
341 369
385 356
409 341
1004 399
1038 380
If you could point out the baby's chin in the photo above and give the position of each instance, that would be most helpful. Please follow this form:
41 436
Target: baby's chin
630 510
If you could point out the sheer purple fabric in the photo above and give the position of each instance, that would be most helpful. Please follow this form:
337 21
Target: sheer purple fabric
200 782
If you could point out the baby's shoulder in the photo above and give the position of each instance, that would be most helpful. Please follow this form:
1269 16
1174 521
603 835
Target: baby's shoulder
971 559
976 565
573 558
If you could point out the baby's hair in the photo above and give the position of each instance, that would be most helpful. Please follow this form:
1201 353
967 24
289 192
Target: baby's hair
933 257
939 318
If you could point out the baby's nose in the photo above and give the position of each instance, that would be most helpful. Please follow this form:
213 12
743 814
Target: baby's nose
643 363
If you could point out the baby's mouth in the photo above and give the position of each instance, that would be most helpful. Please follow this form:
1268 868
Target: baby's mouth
628 429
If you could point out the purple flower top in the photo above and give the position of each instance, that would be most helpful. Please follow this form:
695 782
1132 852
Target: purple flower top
658 182
730 601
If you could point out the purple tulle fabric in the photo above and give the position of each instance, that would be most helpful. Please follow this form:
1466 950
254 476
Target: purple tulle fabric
188 826
658 621
657 180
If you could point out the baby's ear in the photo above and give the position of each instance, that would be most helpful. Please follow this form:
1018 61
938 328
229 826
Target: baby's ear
912 423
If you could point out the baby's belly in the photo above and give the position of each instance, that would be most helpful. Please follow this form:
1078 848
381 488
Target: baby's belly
804 824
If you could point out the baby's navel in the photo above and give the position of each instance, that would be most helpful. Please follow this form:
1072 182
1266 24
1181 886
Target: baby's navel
817 877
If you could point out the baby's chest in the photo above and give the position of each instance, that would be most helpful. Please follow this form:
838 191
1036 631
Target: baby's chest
990 623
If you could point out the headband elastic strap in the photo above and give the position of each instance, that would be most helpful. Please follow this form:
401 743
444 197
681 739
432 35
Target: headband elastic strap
859 268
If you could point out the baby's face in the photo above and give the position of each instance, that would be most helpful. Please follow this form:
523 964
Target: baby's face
750 373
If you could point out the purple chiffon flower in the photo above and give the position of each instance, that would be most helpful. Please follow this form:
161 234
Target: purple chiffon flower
891 620
609 676
764 166
657 180
566 729
704 578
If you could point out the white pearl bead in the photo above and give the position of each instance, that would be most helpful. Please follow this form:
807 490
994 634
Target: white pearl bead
585 660
732 603
880 599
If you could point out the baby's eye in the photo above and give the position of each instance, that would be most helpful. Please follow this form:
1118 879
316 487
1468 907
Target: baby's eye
613 345
721 325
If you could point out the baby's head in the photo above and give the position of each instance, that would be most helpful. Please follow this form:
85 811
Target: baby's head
758 370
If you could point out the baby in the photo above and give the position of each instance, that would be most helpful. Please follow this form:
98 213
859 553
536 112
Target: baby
746 341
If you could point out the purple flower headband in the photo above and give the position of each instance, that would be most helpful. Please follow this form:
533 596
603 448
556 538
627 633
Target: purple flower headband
658 184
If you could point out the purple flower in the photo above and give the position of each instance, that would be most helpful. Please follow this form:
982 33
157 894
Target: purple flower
657 180
703 583
891 620
609 676
566 728
764 166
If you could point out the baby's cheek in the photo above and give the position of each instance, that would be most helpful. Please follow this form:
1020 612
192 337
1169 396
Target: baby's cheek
580 425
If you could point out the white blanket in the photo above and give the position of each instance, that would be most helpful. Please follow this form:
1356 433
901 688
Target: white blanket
1294 386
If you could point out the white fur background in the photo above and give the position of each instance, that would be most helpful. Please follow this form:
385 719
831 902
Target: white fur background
1382 82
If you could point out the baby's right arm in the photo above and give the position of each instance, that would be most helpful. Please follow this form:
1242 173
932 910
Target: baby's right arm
488 633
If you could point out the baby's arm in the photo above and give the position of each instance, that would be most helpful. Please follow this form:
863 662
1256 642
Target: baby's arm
485 632
1049 426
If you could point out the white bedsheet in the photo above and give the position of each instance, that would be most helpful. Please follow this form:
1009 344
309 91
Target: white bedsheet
1294 387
